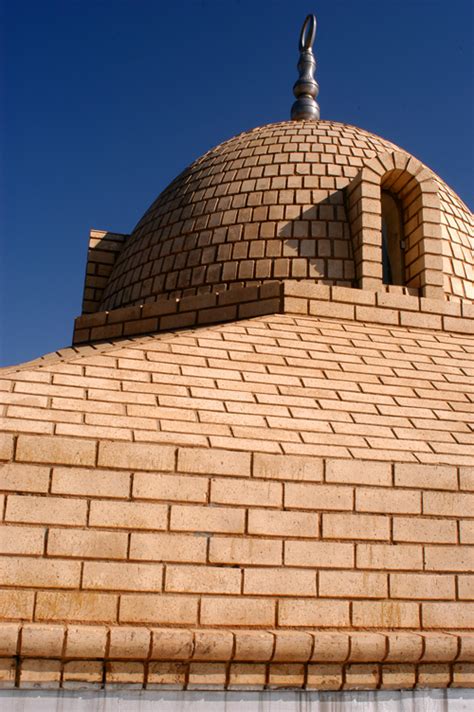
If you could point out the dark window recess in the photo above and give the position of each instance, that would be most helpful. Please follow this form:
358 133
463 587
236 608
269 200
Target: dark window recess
393 264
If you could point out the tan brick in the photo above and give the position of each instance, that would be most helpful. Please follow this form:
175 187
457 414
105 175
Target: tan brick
93 483
450 504
131 674
324 677
80 674
136 456
385 614
361 677
275 523
129 642
425 476
207 519
352 584
287 467
421 586
16 604
151 485
42 641
279 582
8 667
286 675
24 478
43 573
398 677
207 676
449 558
170 676
233 550
307 613
319 554
55 450
6 446
355 526
128 515
213 645
330 647
122 577
214 462
21 540
9 638
76 606
168 547
466 478
463 675
247 676
292 646
466 531
246 492
427 530
158 609
172 644
388 556
202 579
448 615
359 472
371 499
84 641
466 587
40 673
87 544
253 645
317 497
46 510
237 611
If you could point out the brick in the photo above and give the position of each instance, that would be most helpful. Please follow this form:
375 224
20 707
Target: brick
436 531
361 677
87 544
151 485
172 644
355 526
466 587
207 676
370 499
76 606
307 613
233 550
247 676
82 674
168 676
425 476
6 446
463 675
319 554
136 456
106 575
279 582
318 497
55 450
466 478
124 673
253 645
128 515
466 531
276 523
213 645
207 519
237 611
367 647
9 639
330 647
40 673
352 584
42 573
202 579
129 642
404 647
214 462
385 614
246 492
168 547
292 646
421 586
389 556
92 483
46 510
433 676
16 604
159 609
286 675
287 467
451 615
21 540
24 478
359 472
84 641
449 504
324 677
42 641
449 558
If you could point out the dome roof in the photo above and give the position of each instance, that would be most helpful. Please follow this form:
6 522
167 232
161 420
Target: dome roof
267 204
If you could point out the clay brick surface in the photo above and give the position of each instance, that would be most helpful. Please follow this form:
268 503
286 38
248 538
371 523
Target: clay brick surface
237 611
274 523
128 515
160 610
232 550
22 540
306 613
105 575
76 606
207 519
61 451
241 492
202 579
318 497
352 584
39 573
319 554
131 456
355 526
150 485
87 482
24 478
219 462
279 582
46 510
87 544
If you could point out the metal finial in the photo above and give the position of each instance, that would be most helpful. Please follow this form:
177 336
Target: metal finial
306 88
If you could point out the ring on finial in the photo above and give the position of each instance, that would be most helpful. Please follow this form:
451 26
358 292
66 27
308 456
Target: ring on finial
308 33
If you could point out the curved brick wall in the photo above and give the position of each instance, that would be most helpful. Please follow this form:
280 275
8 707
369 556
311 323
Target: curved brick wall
267 204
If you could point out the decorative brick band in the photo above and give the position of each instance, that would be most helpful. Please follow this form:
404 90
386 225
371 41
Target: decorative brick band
390 307
42 655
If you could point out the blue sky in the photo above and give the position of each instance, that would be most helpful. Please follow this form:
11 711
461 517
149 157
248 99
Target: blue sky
103 102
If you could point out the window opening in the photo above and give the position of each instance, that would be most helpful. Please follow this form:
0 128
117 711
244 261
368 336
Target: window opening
393 265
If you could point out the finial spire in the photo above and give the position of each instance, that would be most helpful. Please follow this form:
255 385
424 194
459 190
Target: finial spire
306 88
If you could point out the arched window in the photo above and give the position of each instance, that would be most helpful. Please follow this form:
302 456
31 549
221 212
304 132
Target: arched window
393 264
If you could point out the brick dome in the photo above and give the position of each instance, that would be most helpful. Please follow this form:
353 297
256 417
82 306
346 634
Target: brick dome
269 204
